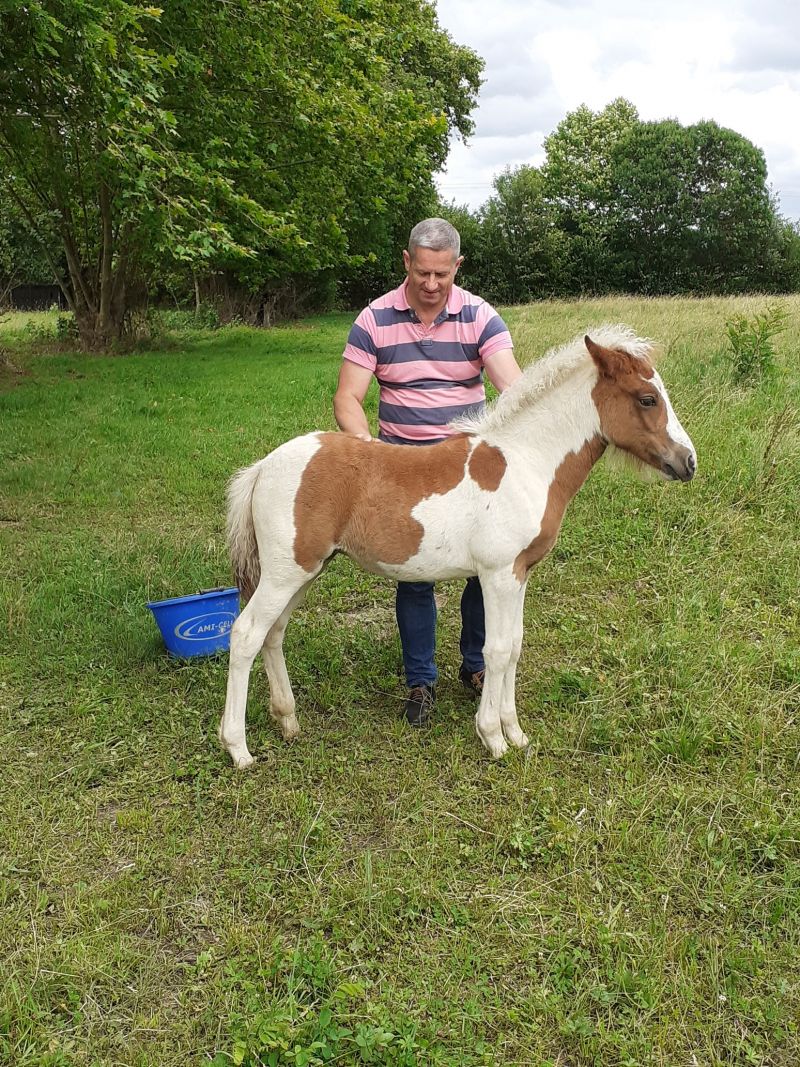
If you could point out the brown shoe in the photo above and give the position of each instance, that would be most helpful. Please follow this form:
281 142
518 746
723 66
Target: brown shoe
472 680
419 705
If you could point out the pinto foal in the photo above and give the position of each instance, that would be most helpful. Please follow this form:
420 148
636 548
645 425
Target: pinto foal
487 501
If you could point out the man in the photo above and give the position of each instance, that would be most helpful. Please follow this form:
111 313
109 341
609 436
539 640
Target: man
427 343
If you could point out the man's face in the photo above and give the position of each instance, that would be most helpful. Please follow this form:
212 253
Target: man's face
430 277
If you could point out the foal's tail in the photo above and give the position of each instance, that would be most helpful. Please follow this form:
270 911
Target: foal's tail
241 532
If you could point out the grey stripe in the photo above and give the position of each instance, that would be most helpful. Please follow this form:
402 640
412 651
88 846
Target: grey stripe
359 338
390 316
430 383
426 416
447 351
491 329
392 439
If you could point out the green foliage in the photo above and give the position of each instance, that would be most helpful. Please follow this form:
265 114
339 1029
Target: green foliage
149 142
578 185
66 329
750 340
625 205
21 257
693 211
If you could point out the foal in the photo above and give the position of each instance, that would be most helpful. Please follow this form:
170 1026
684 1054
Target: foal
487 501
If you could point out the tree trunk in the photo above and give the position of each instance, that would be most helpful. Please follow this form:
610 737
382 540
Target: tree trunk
99 298
104 326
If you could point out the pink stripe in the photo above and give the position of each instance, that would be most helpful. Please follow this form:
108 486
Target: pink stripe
416 433
434 398
396 298
399 373
356 355
499 342
484 313
367 322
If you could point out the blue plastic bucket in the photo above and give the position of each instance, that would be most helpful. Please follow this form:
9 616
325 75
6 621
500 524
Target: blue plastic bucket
197 625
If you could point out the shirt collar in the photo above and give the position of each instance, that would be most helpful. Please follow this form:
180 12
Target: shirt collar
455 301
400 297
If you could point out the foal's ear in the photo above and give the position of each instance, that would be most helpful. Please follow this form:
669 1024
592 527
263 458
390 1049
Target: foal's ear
608 362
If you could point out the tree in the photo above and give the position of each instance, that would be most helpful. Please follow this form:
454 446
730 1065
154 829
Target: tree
148 140
693 210
526 249
92 155
649 207
577 184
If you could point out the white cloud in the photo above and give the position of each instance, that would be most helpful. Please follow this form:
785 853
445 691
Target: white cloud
734 61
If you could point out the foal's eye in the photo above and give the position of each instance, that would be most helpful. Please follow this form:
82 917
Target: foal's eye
648 401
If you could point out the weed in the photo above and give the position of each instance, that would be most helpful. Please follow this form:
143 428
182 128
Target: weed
751 351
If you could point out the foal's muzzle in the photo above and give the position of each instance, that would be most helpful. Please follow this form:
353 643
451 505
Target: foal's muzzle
681 466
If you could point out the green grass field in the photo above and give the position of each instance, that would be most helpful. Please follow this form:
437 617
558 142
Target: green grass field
626 892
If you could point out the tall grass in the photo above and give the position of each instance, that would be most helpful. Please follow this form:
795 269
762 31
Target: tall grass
626 892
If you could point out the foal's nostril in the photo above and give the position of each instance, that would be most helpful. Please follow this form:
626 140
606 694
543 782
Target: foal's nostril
691 463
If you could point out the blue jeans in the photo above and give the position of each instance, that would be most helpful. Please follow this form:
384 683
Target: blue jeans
416 620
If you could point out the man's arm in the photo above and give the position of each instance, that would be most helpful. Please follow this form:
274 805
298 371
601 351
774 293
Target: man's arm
348 402
502 369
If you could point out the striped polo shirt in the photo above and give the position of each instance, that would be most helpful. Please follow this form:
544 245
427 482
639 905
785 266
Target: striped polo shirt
428 375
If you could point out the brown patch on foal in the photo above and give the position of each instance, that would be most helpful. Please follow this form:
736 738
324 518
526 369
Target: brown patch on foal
358 496
487 465
624 380
570 475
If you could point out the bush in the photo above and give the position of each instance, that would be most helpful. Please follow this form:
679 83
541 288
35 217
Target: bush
66 328
750 339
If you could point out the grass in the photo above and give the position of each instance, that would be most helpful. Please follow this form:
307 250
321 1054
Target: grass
627 892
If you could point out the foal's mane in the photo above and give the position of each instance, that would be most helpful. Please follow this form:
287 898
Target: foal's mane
545 374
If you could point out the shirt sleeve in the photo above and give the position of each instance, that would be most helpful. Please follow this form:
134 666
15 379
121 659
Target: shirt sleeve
361 347
493 334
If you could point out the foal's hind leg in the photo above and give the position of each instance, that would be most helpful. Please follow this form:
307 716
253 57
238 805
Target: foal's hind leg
281 697
247 636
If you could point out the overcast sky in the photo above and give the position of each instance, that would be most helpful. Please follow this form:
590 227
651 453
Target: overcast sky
734 61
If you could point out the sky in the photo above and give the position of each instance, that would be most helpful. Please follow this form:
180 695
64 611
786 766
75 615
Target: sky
734 61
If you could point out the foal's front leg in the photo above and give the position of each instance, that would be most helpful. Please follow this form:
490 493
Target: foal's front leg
508 700
501 594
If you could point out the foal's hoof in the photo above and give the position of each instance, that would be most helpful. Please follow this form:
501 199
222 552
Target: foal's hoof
242 760
287 724
518 739
289 730
497 748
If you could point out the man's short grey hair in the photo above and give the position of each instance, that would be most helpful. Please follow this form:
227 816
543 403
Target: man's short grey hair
436 234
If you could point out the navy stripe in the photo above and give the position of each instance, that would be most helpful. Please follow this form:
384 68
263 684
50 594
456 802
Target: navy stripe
430 383
447 351
426 416
468 313
359 338
492 328
392 439
390 316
